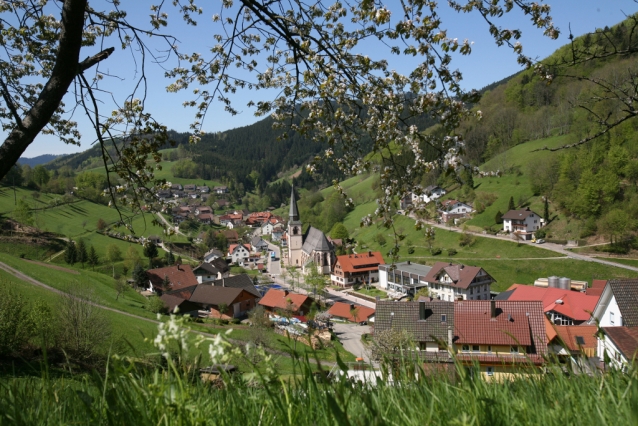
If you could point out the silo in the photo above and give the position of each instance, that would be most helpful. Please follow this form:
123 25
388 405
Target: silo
552 282
565 283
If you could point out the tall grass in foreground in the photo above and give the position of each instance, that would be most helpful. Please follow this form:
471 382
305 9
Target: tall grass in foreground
129 395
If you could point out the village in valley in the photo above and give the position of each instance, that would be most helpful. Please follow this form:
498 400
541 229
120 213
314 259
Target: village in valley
313 288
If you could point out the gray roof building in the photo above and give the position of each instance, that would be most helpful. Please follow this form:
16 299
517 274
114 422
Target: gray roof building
424 321
315 240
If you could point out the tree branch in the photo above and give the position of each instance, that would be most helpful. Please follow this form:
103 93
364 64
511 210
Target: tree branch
92 60
56 87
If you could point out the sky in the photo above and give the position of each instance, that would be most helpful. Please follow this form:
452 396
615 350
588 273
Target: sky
487 63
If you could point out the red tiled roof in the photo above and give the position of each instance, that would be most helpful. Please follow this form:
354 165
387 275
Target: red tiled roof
568 334
576 305
625 339
515 323
278 299
342 310
461 275
360 262
232 247
180 276
597 287
205 216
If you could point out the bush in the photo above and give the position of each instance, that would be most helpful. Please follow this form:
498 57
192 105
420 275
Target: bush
436 251
235 321
451 252
466 240
155 305
541 233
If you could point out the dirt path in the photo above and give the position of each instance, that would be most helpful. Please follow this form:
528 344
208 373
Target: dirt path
48 265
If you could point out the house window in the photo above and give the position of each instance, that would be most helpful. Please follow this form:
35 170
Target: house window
465 348
443 317
617 356
514 349
489 349
611 318
478 298
490 371
475 348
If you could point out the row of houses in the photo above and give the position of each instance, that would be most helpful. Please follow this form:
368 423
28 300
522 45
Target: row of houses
523 328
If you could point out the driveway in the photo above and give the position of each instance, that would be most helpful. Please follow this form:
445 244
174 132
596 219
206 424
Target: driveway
350 337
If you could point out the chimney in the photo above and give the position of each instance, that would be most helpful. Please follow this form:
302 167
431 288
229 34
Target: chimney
408 262
352 306
493 308
223 282
285 292
461 266
370 253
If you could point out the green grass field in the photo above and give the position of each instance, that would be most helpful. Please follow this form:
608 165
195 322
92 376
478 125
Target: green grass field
630 262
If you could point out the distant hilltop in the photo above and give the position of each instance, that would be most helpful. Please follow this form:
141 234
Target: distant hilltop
40 159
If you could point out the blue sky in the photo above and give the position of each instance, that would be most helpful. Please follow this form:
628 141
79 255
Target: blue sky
485 65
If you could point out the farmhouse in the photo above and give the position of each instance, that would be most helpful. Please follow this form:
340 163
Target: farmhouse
453 209
523 222
170 278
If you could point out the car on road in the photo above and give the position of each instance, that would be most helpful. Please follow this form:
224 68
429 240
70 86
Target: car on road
540 241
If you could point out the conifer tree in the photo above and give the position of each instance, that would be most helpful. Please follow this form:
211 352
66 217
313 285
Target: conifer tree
139 276
70 254
81 255
511 205
92 257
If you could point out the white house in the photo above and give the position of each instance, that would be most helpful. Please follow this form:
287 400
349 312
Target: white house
430 193
523 221
266 228
238 253
453 209
450 282
618 304
212 254
617 346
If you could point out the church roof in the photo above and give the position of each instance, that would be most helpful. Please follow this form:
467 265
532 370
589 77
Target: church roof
315 240
294 211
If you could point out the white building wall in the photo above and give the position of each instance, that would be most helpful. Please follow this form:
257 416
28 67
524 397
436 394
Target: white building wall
611 316
383 279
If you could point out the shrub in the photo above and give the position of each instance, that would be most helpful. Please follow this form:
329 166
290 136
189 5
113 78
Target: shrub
235 321
541 233
466 240
436 251
451 252
155 305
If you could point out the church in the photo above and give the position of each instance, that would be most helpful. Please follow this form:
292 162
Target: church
308 248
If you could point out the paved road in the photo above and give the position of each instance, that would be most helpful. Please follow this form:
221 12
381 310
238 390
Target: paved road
548 246
350 337
274 266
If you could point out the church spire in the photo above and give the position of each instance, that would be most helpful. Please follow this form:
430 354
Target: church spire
294 212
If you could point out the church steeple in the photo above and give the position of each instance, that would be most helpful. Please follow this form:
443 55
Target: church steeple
294 211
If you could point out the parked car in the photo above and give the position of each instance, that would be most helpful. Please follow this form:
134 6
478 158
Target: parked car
540 241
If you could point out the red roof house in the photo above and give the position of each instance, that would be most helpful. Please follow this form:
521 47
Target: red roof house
179 276
564 307
345 311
